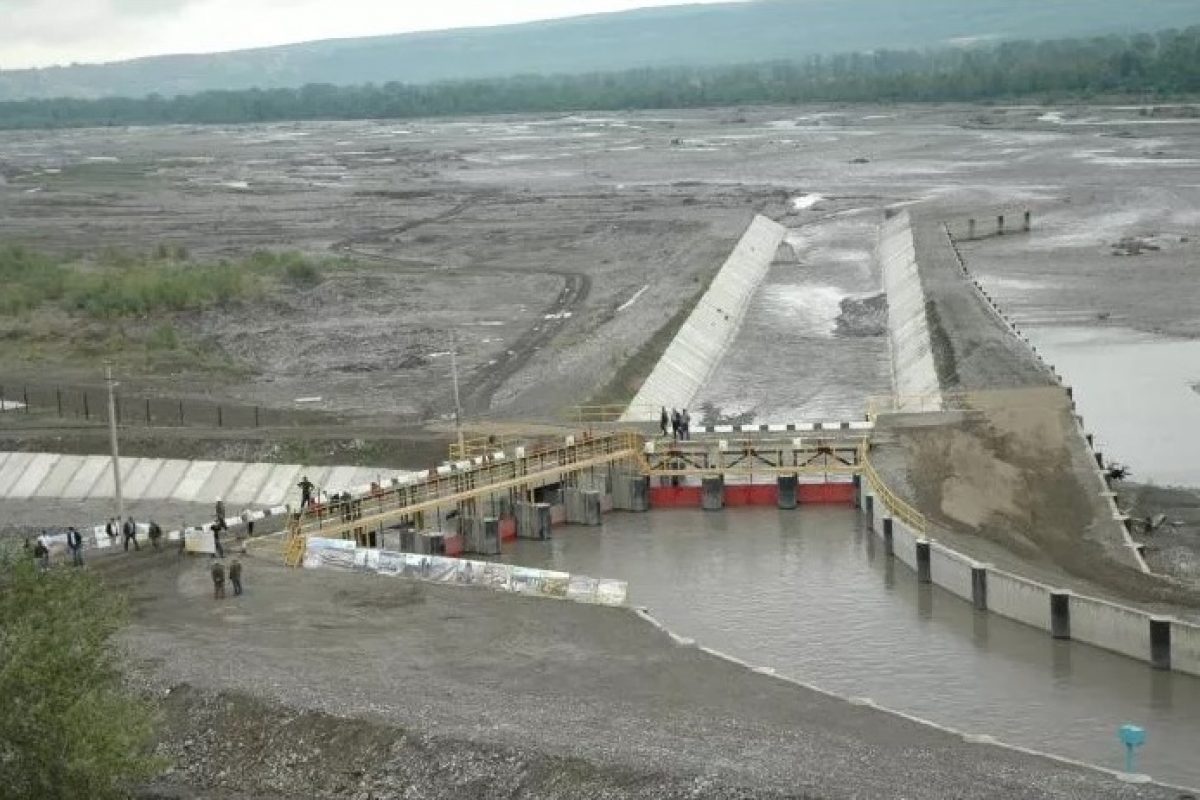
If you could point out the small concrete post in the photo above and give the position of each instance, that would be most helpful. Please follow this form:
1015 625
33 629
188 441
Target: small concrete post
639 492
1028 222
1000 225
971 228
591 508
787 485
871 509
858 492
888 546
1160 643
489 536
1060 615
924 573
979 588
713 493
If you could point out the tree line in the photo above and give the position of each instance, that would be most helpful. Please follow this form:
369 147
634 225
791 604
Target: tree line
1166 64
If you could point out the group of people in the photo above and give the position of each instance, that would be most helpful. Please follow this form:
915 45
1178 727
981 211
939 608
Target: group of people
41 548
218 578
680 422
127 530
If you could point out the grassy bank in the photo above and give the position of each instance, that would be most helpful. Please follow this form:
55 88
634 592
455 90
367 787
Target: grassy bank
128 308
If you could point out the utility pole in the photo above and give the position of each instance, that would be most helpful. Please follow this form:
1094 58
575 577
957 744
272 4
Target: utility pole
462 453
112 436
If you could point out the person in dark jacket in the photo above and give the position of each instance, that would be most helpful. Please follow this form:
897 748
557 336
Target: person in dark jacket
110 530
664 420
130 534
676 423
75 545
235 577
306 490
42 553
218 579
155 534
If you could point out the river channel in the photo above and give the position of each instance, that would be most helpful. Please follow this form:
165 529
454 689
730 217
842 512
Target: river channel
812 594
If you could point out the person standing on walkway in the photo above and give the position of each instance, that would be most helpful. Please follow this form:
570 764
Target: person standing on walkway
75 545
130 531
220 511
235 577
306 490
686 425
110 530
663 421
676 422
219 550
247 529
155 534
218 579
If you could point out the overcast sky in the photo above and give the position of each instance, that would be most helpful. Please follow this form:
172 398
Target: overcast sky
36 33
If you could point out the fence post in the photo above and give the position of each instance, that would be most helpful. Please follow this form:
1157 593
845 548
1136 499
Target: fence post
256 416
87 414
180 412
58 398
147 410
220 417
117 406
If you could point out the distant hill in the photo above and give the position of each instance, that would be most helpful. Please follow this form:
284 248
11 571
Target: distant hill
706 35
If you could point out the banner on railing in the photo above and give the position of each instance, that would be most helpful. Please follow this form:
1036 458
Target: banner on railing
343 554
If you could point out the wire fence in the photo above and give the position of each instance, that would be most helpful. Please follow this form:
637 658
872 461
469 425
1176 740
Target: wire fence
90 404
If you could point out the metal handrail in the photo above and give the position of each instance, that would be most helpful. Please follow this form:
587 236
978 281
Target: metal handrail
894 504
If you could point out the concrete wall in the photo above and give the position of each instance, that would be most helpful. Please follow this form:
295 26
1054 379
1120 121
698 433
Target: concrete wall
951 570
1017 598
704 337
51 475
1113 627
904 541
1185 647
914 374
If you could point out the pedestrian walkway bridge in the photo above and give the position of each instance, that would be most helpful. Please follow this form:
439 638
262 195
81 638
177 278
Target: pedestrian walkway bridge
739 454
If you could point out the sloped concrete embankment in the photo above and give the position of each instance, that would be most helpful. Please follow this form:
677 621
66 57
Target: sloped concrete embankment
703 339
1007 464
914 376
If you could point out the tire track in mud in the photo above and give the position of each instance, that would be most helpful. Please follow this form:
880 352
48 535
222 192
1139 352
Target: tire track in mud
480 385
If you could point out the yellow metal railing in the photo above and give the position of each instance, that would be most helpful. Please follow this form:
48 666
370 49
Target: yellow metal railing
450 488
896 506
485 446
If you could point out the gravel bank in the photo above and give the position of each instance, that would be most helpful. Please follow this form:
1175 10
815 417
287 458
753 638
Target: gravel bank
447 692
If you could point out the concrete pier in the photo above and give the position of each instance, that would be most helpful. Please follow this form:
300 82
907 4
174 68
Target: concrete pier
713 493
533 520
1060 615
787 485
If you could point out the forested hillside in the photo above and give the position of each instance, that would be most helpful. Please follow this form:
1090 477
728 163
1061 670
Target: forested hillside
1144 66
690 36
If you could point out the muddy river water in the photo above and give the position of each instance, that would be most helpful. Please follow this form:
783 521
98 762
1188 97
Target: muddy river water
812 594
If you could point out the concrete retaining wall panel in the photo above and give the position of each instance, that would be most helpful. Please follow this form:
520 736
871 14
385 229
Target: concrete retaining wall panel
950 571
4 459
27 483
904 544
248 485
1110 626
105 487
319 477
340 479
1019 599
1185 647
59 478
280 486
703 338
12 470
86 477
169 475
222 479
193 480
141 478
